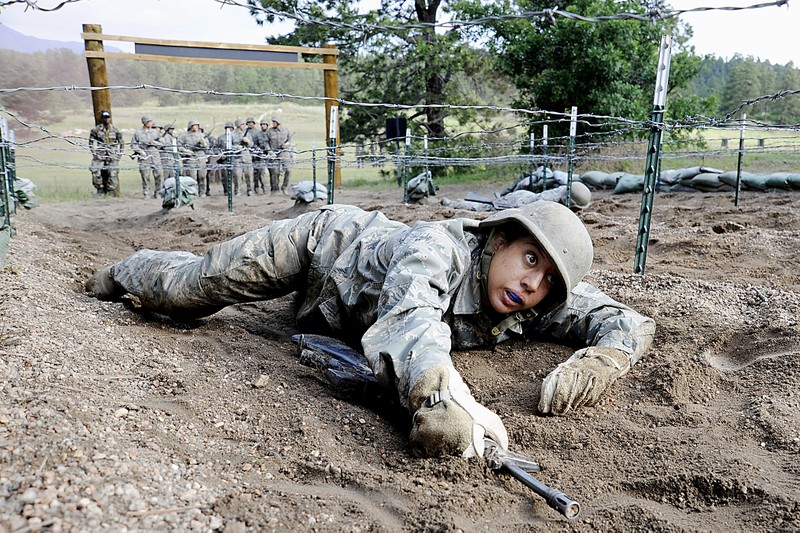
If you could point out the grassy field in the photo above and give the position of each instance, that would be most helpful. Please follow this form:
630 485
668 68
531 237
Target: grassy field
58 163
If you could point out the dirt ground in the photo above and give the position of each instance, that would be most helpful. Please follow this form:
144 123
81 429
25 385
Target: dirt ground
113 419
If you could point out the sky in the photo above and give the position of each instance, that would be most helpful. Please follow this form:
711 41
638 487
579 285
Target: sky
768 33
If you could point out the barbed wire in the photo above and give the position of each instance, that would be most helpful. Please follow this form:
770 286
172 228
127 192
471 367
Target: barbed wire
34 4
652 15
550 116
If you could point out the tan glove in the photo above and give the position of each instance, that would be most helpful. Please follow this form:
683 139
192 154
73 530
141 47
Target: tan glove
582 379
103 287
447 419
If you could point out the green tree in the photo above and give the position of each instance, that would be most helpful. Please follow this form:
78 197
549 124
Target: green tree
390 54
742 84
603 68
787 108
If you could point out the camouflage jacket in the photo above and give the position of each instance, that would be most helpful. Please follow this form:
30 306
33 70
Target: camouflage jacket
106 142
145 141
280 141
191 143
406 294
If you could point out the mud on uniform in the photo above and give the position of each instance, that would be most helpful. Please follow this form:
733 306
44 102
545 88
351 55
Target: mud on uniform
408 294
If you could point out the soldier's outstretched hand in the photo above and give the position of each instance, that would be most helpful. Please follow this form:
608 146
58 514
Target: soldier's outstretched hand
447 419
582 380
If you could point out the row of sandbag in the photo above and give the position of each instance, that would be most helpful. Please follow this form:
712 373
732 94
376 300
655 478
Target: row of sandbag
703 179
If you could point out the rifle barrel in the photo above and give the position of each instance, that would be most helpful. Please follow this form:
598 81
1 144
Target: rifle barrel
554 497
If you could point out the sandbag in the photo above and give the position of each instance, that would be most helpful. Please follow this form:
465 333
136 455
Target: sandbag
306 192
593 179
794 181
729 177
669 177
421 186
704 181
560 177
170 196
756 182
629 183
610 181
778 180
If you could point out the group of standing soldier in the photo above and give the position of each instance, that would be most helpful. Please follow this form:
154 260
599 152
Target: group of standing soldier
249 152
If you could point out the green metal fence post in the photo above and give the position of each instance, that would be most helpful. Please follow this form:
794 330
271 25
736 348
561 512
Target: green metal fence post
573 126
544 156
653 154
229 165
332 151
739 162
406 164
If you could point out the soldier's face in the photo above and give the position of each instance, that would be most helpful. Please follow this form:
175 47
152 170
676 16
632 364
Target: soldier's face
264 126
520 276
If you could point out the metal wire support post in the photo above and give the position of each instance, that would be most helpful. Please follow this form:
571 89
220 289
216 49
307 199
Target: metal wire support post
229 176
176 172
406 161
314 168
653 153
332 151
425 151
544 155
573 126
739 162
531 163
4 169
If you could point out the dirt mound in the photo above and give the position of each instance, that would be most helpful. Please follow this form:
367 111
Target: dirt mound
116 419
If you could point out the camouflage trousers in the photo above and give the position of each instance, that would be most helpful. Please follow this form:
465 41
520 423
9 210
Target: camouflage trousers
262 264
150 164
105 175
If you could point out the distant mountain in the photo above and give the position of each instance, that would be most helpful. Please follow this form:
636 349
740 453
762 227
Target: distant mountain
19 42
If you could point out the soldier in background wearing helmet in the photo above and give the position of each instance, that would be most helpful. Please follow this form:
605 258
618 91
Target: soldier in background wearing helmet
145 146
261 153
169 157
409 295
580 199
193 146
231 161
280 143
106 145
242 143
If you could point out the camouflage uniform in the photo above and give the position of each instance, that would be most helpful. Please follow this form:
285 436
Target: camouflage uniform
169 160
145 145
280 143
243 138
105 142
261 152
193 146
230 159
215 168
407 294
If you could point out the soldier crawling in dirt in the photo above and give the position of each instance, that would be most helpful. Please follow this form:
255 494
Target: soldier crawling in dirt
409 295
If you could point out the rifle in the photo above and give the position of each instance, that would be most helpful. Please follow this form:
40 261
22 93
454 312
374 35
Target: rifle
497 203
348 371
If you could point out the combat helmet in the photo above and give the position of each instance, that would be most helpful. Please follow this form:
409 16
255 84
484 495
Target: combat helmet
238 122
146 119
192 123
559 232
580 195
